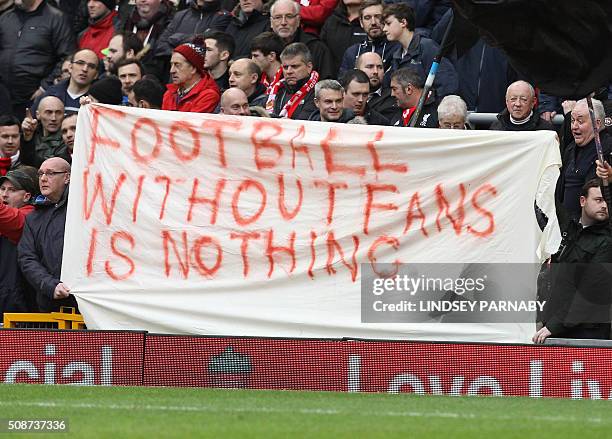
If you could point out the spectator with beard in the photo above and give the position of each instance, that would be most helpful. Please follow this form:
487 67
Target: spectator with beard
380 99
245 74
247 22
42 136
200 16
370 18
407 88
129 71
18 189
103 19
122 45
26 64
83 71
148 20
357 91
192 88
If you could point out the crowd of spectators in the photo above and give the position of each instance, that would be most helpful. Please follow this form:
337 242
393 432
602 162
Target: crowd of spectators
342 61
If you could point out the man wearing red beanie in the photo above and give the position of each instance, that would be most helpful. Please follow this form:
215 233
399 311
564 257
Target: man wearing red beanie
192 88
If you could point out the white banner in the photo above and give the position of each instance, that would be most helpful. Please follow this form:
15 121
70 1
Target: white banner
209 224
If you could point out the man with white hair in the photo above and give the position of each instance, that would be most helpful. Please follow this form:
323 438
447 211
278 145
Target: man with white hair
519 114
578 163
285 22
452 113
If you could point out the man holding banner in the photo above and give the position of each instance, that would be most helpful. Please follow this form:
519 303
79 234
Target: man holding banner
41 247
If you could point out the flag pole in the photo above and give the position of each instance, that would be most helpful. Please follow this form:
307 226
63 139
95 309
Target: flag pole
432 73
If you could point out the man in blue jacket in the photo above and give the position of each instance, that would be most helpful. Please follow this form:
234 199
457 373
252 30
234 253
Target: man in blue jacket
416 51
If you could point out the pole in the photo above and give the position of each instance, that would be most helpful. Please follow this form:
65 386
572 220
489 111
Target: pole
432 73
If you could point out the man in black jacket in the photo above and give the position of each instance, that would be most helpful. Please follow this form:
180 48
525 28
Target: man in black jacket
329 96
519 114
247 22
285 22
293 96
370 18
357 91
578 161
578 302
34 37
380 98
343 29
201 16
407 87
42 243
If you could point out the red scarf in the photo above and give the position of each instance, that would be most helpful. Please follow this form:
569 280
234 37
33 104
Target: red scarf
295 100
407 114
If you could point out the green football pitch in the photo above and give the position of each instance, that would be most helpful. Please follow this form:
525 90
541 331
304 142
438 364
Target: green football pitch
140 412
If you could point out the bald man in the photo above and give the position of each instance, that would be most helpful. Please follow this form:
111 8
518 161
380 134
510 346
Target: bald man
520 113
42 135
234 101
41 247
380 98
245 74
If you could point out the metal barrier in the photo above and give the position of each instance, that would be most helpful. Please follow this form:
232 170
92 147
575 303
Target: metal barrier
66 318
489 118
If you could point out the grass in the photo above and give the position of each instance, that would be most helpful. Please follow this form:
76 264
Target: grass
141 412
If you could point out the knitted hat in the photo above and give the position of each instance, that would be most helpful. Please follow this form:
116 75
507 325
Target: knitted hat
107 90
23 178
110 4
195 53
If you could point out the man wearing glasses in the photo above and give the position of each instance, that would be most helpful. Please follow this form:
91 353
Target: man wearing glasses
83 71
41 247
285 22
520 113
